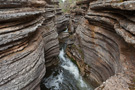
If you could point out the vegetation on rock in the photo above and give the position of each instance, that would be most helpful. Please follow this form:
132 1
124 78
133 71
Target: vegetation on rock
67 5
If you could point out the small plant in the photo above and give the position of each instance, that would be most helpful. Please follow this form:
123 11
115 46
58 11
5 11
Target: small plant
132 85
121 0
67 4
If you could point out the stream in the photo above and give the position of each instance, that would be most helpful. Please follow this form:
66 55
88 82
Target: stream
65 76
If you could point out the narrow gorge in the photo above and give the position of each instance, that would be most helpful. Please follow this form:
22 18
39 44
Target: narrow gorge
89 47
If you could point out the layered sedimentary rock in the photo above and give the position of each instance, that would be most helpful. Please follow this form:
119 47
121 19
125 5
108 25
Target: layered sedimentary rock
50 34
21 44
53 25
104 44
61 21
28 41
77 14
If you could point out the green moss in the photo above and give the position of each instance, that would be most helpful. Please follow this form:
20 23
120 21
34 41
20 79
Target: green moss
121 0
134 80
74 61
132 86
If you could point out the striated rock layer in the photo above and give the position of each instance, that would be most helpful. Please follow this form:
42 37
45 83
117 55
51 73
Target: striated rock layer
28 41
104 46
55 22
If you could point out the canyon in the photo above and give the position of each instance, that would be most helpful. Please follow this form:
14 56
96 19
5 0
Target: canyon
100 40
28 41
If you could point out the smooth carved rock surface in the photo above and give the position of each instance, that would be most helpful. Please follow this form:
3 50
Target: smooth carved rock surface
104 45
28 41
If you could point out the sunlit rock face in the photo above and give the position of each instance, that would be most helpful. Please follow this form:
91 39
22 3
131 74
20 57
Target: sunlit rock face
104 44
28 41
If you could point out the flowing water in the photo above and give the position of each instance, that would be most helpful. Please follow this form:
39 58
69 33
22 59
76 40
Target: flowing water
65 76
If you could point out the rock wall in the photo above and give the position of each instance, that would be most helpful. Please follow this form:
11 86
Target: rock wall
28 41
55 22
103 44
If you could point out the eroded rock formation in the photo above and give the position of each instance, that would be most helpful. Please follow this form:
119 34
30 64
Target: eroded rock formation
104 43
54 24
28 41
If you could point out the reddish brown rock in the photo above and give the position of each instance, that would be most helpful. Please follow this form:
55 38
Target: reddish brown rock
104 42
28 42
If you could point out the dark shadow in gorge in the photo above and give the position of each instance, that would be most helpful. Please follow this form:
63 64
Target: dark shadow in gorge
64 76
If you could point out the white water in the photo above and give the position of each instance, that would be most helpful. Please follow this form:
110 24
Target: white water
66 30
54 82
72 68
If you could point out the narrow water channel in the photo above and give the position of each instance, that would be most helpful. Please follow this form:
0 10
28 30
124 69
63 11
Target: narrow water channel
65 76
